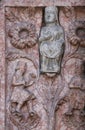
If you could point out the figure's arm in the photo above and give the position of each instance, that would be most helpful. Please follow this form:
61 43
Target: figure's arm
59 35
15 83
41 39
44 36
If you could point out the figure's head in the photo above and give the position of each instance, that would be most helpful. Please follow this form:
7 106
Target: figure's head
22 66
51 14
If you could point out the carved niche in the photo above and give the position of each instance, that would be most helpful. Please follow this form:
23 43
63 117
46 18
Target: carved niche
51 43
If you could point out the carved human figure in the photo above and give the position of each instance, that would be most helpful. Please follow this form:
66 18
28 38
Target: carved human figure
51 42
20 94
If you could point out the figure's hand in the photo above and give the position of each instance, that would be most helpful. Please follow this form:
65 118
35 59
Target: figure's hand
40 39
48 35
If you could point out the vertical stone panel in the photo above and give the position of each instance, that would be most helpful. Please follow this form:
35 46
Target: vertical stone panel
22 59
2 69
30 99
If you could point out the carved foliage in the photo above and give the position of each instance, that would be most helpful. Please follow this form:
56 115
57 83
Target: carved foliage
75 114
22 26
69 12
76 35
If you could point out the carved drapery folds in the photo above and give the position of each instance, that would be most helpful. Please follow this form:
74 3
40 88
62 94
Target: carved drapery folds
51 43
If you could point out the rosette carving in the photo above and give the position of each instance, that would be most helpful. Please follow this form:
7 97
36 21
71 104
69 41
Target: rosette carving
23 34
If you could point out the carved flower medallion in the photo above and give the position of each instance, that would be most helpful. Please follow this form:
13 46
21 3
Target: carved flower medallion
23 34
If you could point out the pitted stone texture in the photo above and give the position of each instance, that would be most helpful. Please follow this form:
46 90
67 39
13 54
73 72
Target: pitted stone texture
2 71
51 43
45 3
22 25
44 85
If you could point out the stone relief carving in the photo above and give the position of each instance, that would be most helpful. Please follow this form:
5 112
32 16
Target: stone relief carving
74 117
13 55
23 35
51 43
69 12
22 28
76 97
76 102
52 98
52 91
75 114
21 97
76 35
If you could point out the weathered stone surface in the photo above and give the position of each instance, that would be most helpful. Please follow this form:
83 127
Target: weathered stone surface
58 102
51 43
45 2
76 33
2 71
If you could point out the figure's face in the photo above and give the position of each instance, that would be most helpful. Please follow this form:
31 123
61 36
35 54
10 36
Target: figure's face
22 67
50 16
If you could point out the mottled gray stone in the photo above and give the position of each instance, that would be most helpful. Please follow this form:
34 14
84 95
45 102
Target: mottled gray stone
51 43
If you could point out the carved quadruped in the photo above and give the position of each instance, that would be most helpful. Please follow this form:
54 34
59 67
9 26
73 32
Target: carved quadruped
74 116
51 43
23 35
76 108
73 67
76 33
